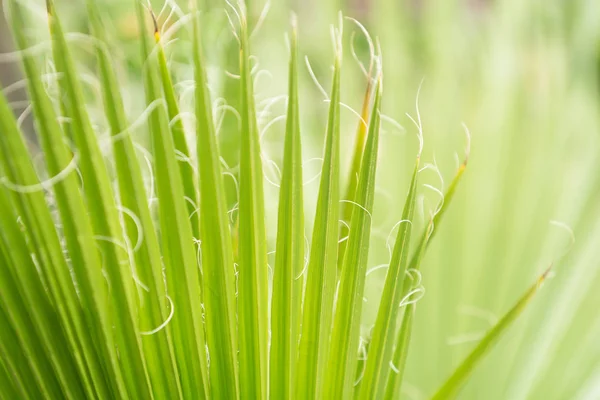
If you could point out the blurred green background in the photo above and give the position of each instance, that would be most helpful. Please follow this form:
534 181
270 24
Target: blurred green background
522 75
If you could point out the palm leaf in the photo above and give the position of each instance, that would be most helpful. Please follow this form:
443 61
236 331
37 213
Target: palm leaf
452 386
289 261
252 281
380 349
346 326
321 274
182 275
217 252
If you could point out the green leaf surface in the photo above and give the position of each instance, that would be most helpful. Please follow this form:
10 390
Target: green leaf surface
142 239
105 224
31 297
97 348
339 382
20 346
8 382
289 255
380 351
217 252
179 255
322 267
188 175
394 383
253 305
17 364
353 173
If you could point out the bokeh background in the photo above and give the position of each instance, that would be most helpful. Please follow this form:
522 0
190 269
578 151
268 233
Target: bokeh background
523 76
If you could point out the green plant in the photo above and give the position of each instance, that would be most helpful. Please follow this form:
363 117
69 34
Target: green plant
102 299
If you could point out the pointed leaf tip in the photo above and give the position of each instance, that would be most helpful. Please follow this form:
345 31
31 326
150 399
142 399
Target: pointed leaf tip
454 384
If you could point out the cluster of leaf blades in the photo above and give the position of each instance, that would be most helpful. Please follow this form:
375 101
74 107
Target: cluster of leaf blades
107 302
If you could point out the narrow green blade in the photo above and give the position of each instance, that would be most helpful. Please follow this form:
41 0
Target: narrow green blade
188 175
21 347
452 387
217 252
346 326
322 268
392 389
252 281
158 348
430 232
15 161
105 223
394 383
8 381
289 254
380 352
15 362
85 317
353 173
179 255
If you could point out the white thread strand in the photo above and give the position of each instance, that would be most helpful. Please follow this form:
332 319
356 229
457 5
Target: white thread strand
164 324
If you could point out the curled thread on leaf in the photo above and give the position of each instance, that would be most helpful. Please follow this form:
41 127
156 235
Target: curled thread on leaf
173 29
306 258
266 104
439 193
415 275
198 244
112 240
569 231
357 205
46 184
372 56
23 116
179 117
46 46
164 324
314 79
343 239
224 108
314 178
418 294
235 182
147 158
363 357
143 118
393 122
16 56
194 206
138 224
49 79
435 168
239 18
264 130
235 208
418 123
377 268
352 110
273 167
396 225
257 84
261 18
126 248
